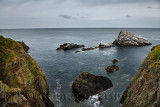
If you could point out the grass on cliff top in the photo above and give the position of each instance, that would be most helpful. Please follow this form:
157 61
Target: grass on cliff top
154 57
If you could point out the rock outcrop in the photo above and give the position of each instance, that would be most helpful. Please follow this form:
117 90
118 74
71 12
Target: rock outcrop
88 84
104 45
112 68
87 49
22 83
25 47
144 87
114 61
130 39
69 46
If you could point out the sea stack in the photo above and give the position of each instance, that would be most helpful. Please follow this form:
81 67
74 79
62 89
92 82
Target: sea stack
144 88
22 82
130 39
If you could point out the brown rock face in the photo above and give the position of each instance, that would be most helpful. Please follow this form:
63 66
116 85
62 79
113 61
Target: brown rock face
144 88
112 68
88 84
22 82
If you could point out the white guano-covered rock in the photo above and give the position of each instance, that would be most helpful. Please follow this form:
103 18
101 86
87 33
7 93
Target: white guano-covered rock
130 39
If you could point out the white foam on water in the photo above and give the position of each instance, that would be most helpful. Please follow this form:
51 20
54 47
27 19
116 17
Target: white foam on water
57 92
93 101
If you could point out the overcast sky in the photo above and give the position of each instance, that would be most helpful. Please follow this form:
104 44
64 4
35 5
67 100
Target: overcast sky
79 13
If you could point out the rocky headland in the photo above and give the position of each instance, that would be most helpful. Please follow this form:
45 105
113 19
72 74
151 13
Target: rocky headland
88 84
22 82
130 39
144 87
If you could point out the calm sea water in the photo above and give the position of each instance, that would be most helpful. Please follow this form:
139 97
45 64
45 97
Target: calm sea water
63 67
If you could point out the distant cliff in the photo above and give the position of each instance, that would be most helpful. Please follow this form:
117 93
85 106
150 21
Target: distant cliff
22 83
144 88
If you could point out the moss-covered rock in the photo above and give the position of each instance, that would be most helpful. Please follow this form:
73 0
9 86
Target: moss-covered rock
144 88
22 82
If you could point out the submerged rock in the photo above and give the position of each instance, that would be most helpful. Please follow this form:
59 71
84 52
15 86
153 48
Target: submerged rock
88 84
114 61
144 87
22 83
112 68
87 49
25 47
130 39
104 45
69 46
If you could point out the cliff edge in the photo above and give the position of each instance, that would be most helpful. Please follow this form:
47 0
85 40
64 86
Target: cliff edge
22 83
144 88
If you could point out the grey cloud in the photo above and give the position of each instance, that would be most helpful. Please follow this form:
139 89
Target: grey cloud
108 2
34 18
149 7
128 16
64 16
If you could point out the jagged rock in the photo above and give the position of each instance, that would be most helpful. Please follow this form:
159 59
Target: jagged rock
69 46
144 87
112 68
25 47
104 45
88 84
22 83
114 61
130 39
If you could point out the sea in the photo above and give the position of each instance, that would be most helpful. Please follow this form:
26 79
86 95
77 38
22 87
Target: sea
63 67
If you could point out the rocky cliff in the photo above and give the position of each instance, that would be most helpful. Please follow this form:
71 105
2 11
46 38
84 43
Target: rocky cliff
144 88
22 83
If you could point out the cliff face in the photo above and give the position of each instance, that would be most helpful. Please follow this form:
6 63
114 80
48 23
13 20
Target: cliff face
144 88
22 82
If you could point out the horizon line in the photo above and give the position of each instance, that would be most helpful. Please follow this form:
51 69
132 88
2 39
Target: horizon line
85 28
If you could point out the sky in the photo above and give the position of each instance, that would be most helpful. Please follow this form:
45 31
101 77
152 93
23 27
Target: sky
79 14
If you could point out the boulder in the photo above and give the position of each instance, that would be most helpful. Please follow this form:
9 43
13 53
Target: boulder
88 84
112 68
144 87
104 45
130 39
22 82
114 61
69 46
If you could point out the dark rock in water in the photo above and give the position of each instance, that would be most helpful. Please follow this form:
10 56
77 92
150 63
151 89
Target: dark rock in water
130 39
25 47
87 49
77 51
69 46
22 82
104 45
114 61
88 84
144 87
100 99
112 68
